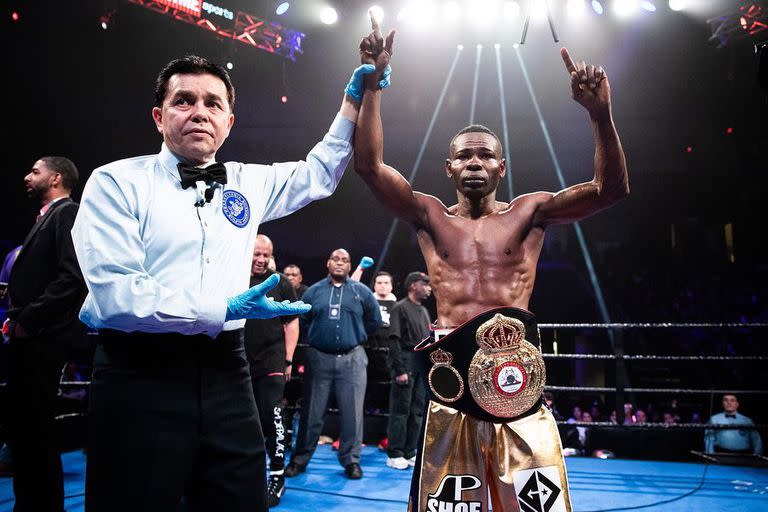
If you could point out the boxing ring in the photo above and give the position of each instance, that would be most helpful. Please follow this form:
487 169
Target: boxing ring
596 484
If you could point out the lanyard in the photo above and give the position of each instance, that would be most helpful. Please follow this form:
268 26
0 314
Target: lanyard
334 308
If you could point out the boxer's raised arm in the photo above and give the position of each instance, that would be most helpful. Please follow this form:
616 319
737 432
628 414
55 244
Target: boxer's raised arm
591 89
388 185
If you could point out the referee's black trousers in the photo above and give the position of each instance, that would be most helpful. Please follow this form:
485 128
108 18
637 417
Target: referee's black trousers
173 416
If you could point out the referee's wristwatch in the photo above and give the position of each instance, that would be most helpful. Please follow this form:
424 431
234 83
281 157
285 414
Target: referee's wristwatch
288 362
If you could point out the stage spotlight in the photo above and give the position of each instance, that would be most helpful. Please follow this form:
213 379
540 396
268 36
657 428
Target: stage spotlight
597 7
15 16
459 47
484 13
486 7
539 9
328 15
282 8
377 12
678 5
451 11
576 8
418 13
107 20
624 8
648 5
283 99
230 66
497 46
511 9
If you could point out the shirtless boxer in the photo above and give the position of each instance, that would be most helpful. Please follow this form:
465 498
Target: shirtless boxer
480 435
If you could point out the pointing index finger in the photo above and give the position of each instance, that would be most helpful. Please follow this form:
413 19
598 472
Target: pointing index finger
374 24
569 65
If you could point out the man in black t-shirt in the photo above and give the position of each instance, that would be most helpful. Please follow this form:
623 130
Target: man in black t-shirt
269 345
378 366
408 325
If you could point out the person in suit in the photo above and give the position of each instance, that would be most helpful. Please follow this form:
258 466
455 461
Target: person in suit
46 290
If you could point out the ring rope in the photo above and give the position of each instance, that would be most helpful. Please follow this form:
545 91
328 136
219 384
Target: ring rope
664 426
651 325
582 388
658 390
599 424
654 358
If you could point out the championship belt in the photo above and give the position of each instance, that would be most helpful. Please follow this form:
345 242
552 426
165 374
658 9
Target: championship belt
490 356
507 374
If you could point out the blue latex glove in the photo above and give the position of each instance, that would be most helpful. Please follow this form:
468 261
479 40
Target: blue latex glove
384 82
355 87
366 262
253 303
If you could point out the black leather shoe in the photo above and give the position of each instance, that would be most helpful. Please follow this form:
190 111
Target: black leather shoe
353 471
294 469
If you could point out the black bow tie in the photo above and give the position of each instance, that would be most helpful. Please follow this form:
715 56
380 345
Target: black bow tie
730 415
189 174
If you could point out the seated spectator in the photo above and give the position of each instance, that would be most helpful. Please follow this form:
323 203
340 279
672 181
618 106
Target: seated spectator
549 398
576 437
669 418
575 414
732 440
629 414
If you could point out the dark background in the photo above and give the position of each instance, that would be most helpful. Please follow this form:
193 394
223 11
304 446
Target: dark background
76 90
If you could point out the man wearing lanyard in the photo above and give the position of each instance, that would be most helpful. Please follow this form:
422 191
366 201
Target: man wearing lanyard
344 313
165 243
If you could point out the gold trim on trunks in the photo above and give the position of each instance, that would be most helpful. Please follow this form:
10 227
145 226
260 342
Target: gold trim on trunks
443 370
507 373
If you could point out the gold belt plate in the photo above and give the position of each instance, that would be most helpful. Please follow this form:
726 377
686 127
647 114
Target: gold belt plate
507 373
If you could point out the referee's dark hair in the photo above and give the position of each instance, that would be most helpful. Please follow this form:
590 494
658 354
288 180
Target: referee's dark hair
192 65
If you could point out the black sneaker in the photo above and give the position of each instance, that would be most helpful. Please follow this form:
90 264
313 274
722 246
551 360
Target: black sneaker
294 469
353 471
275 490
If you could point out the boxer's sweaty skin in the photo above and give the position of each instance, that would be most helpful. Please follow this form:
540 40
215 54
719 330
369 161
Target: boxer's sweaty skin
482 253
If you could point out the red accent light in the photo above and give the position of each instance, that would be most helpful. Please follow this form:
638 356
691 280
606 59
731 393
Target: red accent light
15 16
284 99
753 19
240 26
192 7
689 149
729 130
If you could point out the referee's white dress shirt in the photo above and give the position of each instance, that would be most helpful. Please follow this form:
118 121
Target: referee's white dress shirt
155 262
